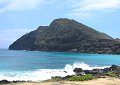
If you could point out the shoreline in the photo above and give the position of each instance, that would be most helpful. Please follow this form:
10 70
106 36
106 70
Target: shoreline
99 81
106 76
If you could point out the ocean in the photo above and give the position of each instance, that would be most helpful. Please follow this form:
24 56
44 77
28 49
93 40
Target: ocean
38 66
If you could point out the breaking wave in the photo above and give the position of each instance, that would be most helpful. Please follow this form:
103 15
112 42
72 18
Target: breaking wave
44 74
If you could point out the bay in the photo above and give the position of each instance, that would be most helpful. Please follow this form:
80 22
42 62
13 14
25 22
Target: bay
26 65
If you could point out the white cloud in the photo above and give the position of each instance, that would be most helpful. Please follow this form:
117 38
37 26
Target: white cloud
14 5
89 7
98 5
78 14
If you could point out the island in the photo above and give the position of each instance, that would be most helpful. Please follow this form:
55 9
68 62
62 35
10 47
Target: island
67 35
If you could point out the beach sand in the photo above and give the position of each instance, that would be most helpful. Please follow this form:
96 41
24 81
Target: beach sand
100 81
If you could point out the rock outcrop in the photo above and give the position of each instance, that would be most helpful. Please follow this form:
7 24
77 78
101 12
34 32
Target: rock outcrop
113 71
67 35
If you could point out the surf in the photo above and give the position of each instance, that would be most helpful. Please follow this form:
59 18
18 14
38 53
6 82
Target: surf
44 74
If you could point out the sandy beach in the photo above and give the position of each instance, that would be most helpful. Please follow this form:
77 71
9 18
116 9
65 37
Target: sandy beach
100 81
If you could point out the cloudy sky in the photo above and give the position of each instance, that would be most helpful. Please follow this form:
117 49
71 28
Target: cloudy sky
18 17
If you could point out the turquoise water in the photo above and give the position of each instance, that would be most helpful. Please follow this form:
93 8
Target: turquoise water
13 63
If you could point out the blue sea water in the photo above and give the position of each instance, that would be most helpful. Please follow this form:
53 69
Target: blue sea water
35 65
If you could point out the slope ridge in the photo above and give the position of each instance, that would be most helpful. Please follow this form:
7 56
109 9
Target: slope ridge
67 35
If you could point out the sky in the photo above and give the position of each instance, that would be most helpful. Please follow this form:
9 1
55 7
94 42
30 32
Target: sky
18 17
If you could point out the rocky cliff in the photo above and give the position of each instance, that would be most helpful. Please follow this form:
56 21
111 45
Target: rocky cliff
67 35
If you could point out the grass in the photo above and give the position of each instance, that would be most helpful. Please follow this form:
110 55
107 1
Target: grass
111 74
82 78
73 78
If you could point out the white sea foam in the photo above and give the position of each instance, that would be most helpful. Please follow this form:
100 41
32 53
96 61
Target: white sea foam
37 75
82 65
43 74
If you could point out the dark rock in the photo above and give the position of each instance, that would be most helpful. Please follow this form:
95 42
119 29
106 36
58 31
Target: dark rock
87 71
115 68
97 71
67 35
78 71
65 71
94 71
17 81
105 70
4 82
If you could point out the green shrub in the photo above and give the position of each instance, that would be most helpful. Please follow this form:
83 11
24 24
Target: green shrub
82 78
111 74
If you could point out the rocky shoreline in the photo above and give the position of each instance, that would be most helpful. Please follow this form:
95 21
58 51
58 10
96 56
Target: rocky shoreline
8 82
99 72
84 75
112 71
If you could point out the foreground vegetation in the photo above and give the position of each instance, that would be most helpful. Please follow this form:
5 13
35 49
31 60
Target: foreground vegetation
112 74
84 75
81 75
72 78
82 78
